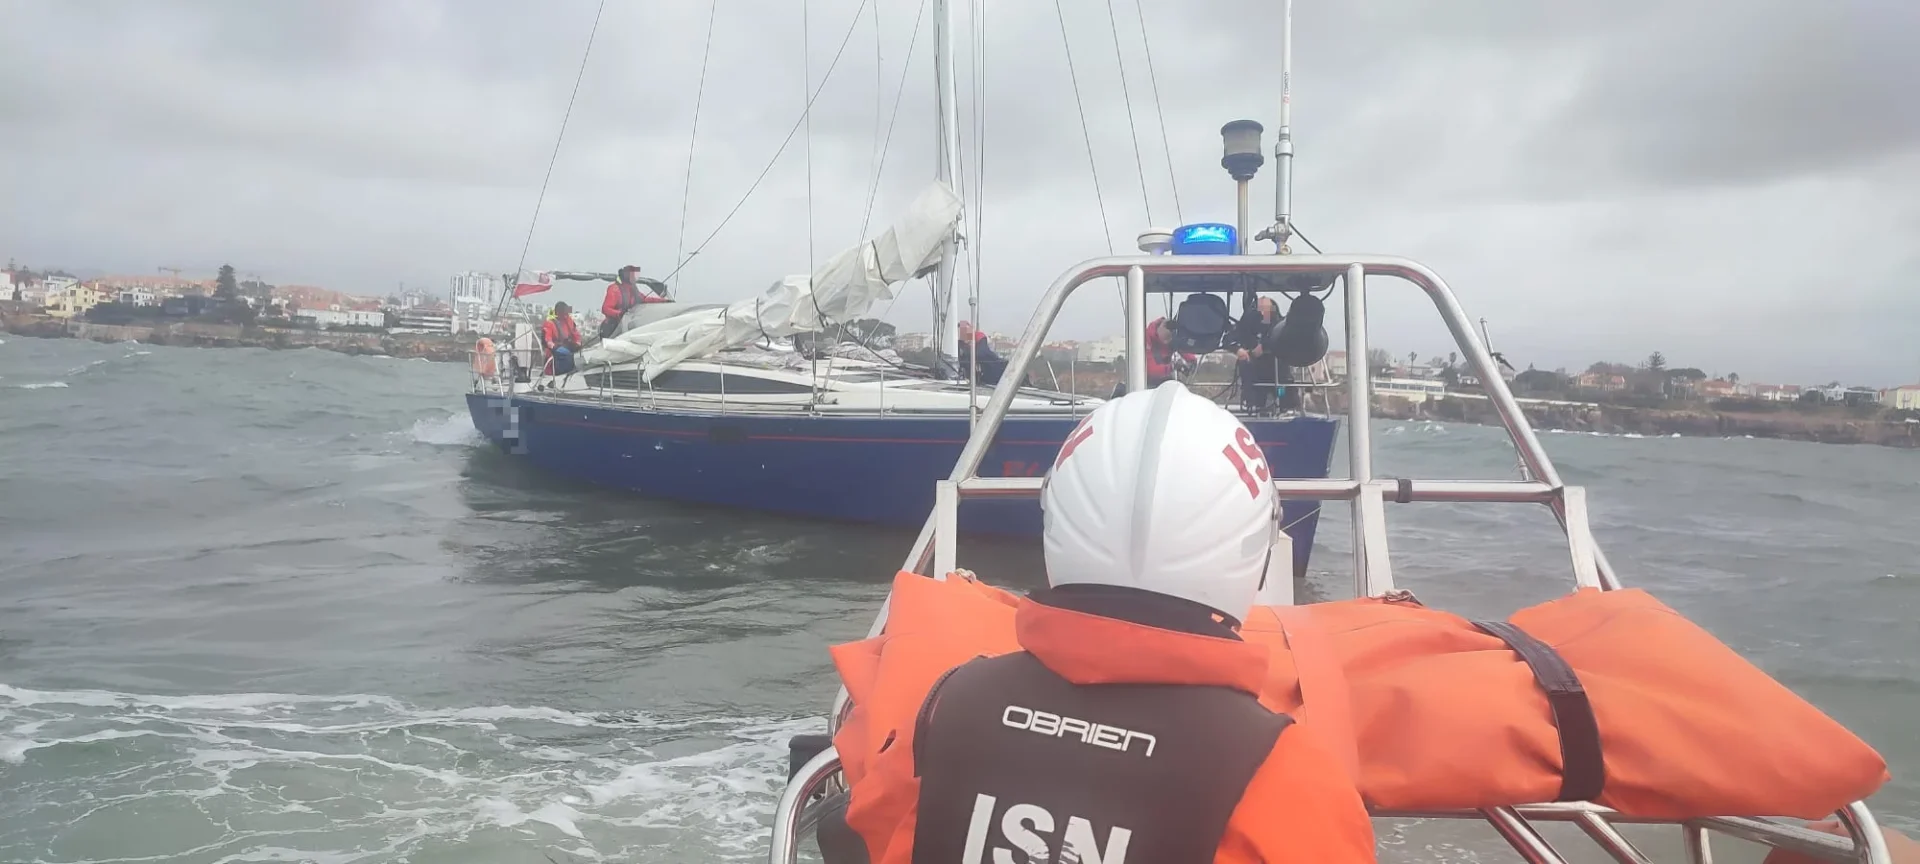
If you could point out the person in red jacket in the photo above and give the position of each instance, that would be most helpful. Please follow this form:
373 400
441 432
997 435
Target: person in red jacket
1127 728
1160 357
1160 362
561 338
623 295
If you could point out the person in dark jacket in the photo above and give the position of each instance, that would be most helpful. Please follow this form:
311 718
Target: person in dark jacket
1259 371
989 361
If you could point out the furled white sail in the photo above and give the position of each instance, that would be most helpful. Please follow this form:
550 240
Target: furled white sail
842 289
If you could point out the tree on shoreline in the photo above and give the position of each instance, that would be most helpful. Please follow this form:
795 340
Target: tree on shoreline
225 288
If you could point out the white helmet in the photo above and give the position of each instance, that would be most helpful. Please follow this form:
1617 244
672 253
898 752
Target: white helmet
1164 491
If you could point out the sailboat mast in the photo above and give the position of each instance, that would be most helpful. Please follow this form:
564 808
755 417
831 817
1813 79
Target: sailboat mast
946 303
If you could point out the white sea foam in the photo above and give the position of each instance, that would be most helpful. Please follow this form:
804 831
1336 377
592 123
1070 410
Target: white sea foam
452 430
262 777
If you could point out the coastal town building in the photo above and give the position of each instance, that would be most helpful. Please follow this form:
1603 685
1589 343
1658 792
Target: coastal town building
1603 381
477 288
72 299
1415 390
416 320
1905 397
329 318
139 296
1108 350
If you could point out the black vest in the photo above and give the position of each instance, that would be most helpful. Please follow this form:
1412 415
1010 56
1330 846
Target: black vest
1013 757
629 296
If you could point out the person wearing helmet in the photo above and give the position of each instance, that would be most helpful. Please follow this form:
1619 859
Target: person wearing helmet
1128 728
621 296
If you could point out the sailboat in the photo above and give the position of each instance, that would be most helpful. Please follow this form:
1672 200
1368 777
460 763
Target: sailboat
727 405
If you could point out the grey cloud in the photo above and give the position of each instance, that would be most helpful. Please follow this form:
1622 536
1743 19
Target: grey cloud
1599 179
1733 93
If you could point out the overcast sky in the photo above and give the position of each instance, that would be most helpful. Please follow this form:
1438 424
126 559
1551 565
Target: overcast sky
1735 183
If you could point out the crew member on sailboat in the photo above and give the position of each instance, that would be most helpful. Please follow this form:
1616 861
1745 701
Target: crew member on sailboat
1259 367
1162 362
989 362
623 295
1160 530
561 339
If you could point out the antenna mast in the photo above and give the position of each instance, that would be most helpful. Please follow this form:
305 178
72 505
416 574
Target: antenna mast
1282 229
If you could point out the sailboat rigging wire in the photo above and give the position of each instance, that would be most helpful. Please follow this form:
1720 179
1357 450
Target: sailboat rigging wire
1146 42
873 190
1106 230
806 113
879 107
887 146
699 94
555 158
1133 130
795 130
1303 238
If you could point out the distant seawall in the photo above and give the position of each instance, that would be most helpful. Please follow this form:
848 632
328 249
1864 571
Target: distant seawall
24 320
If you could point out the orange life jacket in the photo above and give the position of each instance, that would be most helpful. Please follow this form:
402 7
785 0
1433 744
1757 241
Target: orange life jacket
1431 711
483 357
560 332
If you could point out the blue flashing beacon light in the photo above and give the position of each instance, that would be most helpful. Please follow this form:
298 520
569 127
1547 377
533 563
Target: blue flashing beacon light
1205 238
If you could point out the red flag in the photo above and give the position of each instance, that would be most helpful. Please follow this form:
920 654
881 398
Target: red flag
530 282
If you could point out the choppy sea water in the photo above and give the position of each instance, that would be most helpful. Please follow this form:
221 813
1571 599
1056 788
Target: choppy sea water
283 606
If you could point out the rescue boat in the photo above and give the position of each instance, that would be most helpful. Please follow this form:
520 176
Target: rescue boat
1600 708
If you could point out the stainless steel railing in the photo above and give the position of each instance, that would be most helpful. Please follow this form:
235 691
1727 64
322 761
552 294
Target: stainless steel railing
1372 571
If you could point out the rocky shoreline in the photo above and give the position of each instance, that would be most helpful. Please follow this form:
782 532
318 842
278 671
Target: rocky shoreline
21 321
1824 425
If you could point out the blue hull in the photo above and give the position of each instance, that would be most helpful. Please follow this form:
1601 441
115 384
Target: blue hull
878 470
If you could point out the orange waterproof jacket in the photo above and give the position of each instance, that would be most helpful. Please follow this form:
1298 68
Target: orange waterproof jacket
1427 711
1301 805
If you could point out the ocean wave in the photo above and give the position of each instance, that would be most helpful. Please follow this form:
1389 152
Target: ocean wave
355 777
1594 434
453 430
40 385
